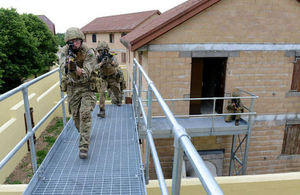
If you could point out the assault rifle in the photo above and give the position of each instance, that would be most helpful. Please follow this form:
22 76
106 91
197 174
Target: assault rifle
71 64
105 55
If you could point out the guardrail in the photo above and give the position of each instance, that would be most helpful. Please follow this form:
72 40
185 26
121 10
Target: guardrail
31 131
181 139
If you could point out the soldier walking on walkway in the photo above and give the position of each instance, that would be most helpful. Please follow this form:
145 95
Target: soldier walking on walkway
77 63
109 77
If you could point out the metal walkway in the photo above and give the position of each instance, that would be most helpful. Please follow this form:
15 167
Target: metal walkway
114 165
196 126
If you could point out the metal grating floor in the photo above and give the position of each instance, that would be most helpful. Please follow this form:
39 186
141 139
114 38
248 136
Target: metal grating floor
114 163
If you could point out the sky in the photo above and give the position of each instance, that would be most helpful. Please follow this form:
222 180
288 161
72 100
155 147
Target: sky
78 13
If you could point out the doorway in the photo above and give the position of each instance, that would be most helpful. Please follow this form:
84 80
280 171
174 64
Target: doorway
207 80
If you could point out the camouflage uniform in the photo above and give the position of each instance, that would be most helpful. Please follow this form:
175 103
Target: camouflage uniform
122 87
80 89
234 106
109 78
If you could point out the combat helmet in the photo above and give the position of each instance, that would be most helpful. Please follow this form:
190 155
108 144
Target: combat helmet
102 45
236 93
73 33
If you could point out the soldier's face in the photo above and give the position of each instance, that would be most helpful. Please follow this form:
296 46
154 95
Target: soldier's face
76 43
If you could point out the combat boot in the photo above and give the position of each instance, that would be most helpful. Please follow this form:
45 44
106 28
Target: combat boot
101 113
119 103
114 101
236 122
83 153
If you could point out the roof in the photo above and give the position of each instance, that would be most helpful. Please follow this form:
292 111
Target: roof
165 22
118 23
48 22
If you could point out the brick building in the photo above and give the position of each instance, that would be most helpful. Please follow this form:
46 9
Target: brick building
112 28
206 48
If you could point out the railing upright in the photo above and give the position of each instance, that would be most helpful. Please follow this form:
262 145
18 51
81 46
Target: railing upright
177 166
63 103
149 127
250 121
134 92
29 127
139 97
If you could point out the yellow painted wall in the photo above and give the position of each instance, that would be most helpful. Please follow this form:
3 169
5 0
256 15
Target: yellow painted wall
43 95
269 184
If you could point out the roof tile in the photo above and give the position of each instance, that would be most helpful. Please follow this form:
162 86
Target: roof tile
118 23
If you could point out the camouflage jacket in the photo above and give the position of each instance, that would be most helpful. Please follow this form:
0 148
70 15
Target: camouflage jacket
108 68
85 59
235 105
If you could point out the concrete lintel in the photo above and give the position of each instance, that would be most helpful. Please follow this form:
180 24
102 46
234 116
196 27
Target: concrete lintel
292 53
144 48
185 54
201 54
225 47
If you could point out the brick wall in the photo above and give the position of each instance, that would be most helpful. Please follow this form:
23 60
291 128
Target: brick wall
267 74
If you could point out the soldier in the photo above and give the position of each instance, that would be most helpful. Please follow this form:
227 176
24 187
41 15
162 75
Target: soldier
109 77
234 106
77 63
122 87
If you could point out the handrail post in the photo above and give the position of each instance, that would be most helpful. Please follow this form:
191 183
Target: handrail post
149 127
250 121
134 93
177 166
29 127
213 117
139 97
63 103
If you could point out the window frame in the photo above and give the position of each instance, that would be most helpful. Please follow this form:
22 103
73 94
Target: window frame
123 57
289 134
111 38
295 85
94 38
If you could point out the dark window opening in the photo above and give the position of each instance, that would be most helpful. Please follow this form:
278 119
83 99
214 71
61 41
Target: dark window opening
296 76
111 37
207 80
123 57
291 140
94 38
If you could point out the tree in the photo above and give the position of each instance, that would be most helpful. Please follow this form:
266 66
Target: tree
46 42
18 51
60 39
27 47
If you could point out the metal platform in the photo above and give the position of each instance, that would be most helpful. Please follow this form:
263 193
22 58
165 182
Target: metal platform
196 126
114 165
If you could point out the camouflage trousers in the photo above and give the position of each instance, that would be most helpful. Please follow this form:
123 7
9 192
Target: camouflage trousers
121 80
81 104
111 84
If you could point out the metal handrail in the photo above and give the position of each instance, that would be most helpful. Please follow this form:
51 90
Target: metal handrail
31 131
182 141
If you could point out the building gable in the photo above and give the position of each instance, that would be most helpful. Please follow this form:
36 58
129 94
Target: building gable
239 21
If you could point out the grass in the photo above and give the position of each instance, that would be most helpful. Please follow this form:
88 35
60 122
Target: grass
106 96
